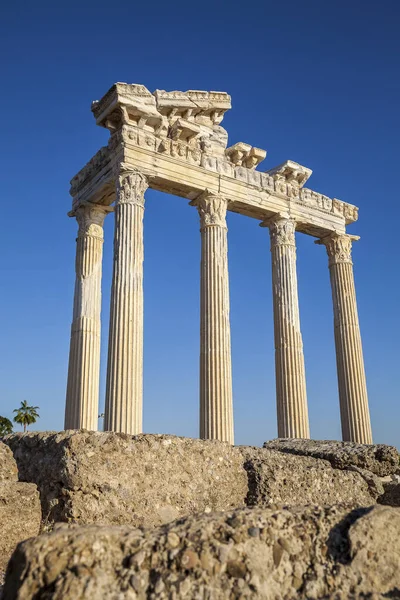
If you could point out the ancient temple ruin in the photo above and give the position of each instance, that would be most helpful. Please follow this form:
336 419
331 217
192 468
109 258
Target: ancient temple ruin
174 142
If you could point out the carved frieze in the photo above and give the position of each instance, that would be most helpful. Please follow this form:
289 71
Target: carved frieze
95 165
185 126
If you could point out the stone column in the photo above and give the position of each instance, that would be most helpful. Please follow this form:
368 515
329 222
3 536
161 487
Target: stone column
354 411
216 406
81 408
291 396
124 388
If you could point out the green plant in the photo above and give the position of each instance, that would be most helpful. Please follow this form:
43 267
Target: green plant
26 415
5 426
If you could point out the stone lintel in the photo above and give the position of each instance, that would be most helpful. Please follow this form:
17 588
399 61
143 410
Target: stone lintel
257 195
135 97
176 140
134 103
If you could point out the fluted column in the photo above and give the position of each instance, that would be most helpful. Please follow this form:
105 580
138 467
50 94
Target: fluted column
124 389
216 406
354 411
291 396
81 407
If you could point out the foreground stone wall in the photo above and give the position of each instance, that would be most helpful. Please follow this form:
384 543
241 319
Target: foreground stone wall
8 466
275 477
314 529
20 514
307 553
111 478
380 459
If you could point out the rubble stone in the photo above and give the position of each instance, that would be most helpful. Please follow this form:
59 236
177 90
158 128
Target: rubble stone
300 553
275 477
8 466
20 516
391 495
114 478
377 458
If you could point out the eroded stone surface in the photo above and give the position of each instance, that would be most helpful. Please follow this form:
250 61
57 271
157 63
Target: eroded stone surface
20 516
274 477
8 466
391 495
308 553
377 458
92 477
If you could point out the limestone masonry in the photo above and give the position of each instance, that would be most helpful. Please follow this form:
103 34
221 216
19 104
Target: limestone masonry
20 513
302 553
162 517
174 142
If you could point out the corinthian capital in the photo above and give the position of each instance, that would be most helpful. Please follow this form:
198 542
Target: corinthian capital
90 218
212 209
338 247
131 186
282 231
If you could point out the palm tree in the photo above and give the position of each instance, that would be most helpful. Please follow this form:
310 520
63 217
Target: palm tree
26 415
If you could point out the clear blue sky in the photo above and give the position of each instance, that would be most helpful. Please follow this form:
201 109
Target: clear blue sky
312 81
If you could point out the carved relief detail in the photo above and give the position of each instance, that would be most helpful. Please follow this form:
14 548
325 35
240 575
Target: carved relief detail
186 127
338 248
90 218
282 231
131 186
212 209
95 165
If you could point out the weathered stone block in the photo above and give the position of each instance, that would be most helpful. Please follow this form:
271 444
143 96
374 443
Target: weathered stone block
20 516
301 553
391 495
8 466
377 458
110 478
274 477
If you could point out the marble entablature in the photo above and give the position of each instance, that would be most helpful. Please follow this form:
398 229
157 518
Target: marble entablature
184 128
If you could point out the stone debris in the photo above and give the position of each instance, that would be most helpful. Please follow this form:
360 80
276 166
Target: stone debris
300 553
110 478
20 516
274 477
147 480
8 466
380 459
391 495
